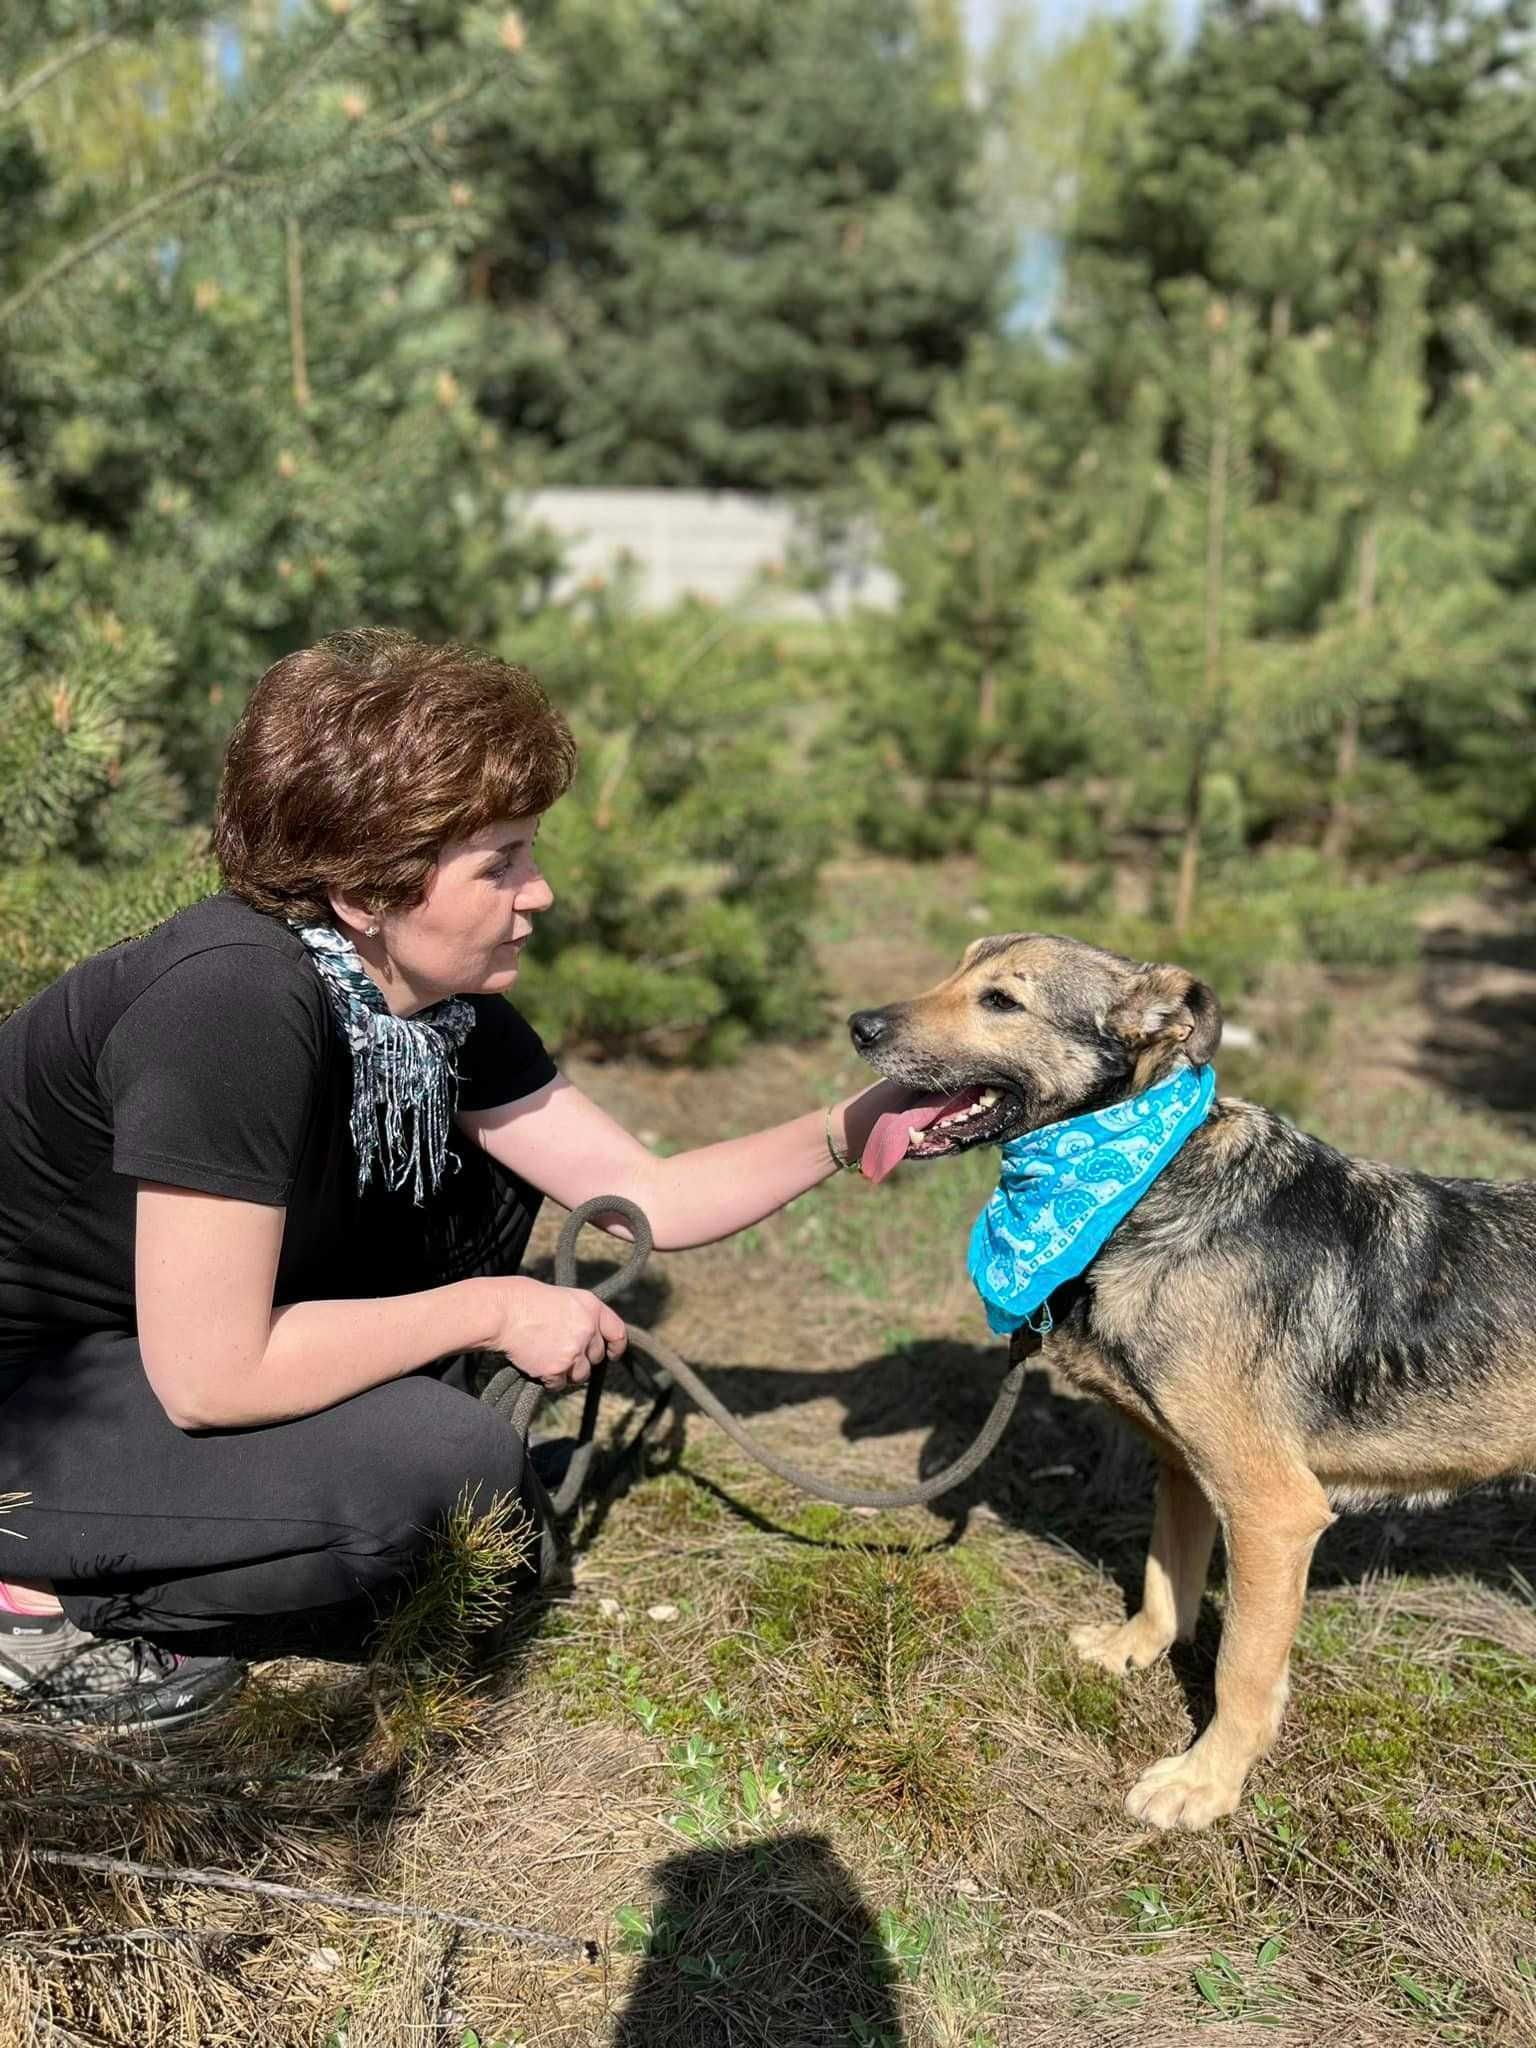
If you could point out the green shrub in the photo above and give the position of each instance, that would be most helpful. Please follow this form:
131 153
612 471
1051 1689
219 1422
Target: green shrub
889 819
55 912
1025 883
1342 923
1232 945
685 860
1256 917
1342 930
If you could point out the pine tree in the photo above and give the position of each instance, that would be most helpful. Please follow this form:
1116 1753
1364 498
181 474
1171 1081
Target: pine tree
1184 608
1357 426
968 515
1214 364
742 242
1285 149
1277 158
685 860
81 766
1483 737
228 442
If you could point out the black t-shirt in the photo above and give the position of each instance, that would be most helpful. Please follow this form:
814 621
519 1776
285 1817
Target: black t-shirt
204 1054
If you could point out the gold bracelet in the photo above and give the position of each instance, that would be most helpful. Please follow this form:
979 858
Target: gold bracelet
842 1165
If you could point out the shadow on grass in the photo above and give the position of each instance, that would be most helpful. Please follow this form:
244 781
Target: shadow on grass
771 1943
1479 987
1071 1475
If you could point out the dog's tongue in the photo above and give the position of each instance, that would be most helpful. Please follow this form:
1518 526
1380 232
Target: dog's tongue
886 1145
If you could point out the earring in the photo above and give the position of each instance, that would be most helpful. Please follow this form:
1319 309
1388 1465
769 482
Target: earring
373 931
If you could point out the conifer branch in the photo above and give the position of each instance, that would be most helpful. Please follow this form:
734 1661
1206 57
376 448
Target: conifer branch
16 1728
125 223
184 188
341 1902
453 97
46 73
301 391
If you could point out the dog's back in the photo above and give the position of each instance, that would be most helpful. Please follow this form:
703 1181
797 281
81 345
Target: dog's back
1383 1319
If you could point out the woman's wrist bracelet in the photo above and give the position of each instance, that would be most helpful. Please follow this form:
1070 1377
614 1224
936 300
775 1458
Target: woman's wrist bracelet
842 1165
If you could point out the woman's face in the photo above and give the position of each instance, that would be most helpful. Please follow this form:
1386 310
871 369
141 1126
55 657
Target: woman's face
467 937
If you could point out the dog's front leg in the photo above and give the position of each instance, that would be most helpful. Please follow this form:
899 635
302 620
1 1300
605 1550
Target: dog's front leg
1271 1523
1183 1531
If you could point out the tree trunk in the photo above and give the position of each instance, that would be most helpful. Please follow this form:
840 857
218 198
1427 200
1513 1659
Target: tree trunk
1189 852
1213 686
986 725
987 690
1339 830
300 359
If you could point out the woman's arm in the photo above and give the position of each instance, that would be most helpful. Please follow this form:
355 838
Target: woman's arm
219 1356
561 1141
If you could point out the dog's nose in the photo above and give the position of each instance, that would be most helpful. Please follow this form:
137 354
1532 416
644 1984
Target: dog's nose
867 1028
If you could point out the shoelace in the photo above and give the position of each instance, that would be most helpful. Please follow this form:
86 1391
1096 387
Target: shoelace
101 1658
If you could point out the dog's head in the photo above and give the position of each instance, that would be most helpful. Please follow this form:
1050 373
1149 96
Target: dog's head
1027 1030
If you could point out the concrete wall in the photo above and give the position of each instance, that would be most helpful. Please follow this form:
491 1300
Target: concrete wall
723 545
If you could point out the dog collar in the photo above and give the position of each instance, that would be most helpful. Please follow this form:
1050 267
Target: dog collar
1065 1187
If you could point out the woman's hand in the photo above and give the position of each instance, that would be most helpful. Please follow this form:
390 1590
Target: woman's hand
553 1334
853 1120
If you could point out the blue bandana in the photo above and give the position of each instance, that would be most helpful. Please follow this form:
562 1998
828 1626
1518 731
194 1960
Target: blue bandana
1065 1187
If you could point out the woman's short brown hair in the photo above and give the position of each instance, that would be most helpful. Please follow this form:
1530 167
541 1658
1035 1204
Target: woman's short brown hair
358 759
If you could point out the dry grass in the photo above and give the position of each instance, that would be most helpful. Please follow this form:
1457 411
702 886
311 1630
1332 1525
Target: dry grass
846 1785
856 1783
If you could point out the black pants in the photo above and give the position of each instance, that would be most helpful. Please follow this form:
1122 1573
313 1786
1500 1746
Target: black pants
218 1539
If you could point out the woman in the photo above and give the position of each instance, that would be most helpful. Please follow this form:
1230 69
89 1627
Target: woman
264 1165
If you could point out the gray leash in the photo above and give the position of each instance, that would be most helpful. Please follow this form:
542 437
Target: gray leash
517 1397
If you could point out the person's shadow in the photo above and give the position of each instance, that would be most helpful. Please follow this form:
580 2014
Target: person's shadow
768 1945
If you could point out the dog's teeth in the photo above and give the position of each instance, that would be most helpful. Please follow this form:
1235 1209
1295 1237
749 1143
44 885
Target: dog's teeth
959 1116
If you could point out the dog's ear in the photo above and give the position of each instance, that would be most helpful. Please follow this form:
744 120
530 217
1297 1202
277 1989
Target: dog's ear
1166 1007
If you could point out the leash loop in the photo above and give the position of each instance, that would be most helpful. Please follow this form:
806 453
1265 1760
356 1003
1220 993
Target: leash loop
639 1229
513 1394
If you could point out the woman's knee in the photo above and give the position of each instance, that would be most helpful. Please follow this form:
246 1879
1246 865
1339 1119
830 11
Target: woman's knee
420 1451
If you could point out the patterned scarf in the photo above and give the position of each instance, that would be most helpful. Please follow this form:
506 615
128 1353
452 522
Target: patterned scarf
1065 1187
399 1064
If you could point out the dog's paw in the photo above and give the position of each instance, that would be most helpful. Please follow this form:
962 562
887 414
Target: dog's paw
1186 1791
1119 1646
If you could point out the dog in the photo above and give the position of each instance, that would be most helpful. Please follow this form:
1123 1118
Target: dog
1297 1332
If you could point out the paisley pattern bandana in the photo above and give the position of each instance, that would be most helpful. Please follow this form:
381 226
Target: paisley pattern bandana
401 1066
1065 1187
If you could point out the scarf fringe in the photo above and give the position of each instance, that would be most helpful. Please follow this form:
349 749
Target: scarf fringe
404 1080
392 1087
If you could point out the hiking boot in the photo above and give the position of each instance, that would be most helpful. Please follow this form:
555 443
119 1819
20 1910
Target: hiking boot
61 1675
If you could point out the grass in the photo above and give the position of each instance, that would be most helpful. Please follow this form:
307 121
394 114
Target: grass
818 1776
917 1710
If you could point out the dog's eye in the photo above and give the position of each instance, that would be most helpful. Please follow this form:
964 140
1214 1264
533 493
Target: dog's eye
998 999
